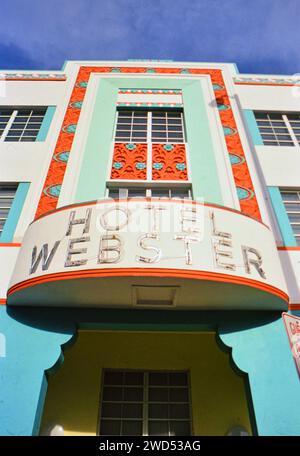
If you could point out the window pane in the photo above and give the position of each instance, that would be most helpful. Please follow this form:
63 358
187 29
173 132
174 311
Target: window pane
275 116
140 113
178 379
180 428
133 394
158 411
132 428
160 193
111 410
296 229
4 213
158 394
124 127
110 427
293 116
179 395
294 218
134 378
124 113
159 379
140 128
111 393
142 121
290 196
292 206
27 138
136 192
18 126
113 378
179 411
159 127
132 411
158 428
158 121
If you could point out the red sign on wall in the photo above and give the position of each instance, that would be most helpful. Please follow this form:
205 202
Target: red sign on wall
292 326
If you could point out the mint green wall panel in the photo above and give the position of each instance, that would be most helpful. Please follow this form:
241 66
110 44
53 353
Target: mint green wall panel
98 149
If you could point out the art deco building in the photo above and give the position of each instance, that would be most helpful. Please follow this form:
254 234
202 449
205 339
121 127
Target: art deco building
149 250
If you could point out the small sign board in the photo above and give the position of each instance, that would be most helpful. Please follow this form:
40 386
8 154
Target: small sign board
292 326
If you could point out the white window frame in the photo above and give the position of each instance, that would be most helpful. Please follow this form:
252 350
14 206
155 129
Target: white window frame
3 197
295 191
148 180
148 190
146 402
288 126
13 118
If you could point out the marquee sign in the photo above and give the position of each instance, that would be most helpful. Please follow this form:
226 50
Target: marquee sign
96 253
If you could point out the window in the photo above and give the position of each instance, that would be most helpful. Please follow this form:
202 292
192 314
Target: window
7 194
291 201
279 129
150 126
145 403
156 192
20 124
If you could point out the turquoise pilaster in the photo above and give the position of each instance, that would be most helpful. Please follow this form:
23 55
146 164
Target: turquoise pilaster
30 347
261 349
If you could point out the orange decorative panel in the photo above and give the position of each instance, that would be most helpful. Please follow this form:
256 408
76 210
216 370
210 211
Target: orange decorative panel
169 162
129 161
243 181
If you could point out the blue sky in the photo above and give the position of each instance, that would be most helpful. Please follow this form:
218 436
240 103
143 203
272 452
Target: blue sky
261 36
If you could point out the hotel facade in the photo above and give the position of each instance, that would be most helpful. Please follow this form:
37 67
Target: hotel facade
149 250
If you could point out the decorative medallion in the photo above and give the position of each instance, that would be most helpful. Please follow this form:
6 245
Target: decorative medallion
117 165
53 190
130 146
228 131
62 156
244 193
180 166
140 165
223 107
76 104
69 128
168 147
236 159
82 84
217 87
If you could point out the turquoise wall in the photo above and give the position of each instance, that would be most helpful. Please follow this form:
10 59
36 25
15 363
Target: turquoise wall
258 342
29 350
286 231
92 180
253 128
42 134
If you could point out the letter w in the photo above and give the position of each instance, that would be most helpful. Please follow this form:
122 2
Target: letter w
43 255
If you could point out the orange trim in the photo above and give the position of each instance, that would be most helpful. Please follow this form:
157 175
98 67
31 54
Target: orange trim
155 272
2 302
294 306
56 170
287 248
10 244
105 201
